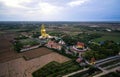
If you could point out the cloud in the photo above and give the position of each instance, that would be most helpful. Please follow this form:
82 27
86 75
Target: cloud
44 11
41 10
48 9
38 9
15 3
57 9
76 2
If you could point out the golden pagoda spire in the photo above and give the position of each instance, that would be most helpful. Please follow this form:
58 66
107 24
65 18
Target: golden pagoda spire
43 31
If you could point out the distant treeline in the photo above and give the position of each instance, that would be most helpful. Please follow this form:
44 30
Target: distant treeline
60 22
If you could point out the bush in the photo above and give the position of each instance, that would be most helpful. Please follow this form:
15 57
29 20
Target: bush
18 46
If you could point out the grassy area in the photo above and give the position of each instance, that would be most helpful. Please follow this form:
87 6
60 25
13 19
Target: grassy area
28 42
114 38
55 69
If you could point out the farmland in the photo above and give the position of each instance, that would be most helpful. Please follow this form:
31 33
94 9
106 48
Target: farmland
108 36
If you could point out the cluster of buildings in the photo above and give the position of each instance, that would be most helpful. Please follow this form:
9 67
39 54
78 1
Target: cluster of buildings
57 43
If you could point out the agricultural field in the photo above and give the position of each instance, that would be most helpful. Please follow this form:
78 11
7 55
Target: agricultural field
36 53
55 69
114 36
21 68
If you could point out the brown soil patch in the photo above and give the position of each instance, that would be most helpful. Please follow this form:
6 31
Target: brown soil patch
36 53
6 50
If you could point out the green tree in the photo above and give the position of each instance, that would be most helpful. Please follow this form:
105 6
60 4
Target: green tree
18 46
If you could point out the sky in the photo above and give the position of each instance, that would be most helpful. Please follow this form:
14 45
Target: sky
59 10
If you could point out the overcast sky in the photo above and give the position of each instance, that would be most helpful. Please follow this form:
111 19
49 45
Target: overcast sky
59 10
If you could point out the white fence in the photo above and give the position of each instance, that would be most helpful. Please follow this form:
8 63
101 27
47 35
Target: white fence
26 49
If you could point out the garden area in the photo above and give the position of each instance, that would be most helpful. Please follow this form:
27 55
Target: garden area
55 69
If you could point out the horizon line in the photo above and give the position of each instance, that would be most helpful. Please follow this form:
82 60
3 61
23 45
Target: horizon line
57 21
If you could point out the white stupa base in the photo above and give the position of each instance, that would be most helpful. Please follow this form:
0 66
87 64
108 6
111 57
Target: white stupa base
41 37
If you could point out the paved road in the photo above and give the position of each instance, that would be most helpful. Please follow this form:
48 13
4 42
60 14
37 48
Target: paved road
117 64
109 58
103 61
103 73
106 61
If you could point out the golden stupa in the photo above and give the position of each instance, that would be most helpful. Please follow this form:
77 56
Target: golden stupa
43 32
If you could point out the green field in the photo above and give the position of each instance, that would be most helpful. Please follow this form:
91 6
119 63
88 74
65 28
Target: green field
114 38
108 36
29 42
55 69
